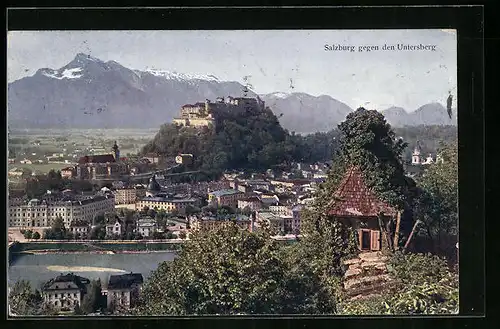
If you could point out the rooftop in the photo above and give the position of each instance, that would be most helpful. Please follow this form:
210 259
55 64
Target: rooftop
160 199
356 199
104 158
125 281
224 192
67 281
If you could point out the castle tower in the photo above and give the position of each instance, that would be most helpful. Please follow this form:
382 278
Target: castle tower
207 105
415 157
116 152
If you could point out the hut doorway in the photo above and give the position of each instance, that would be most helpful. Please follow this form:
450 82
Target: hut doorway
365 240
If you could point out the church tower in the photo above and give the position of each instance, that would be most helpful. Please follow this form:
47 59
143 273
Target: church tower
116 152
415 157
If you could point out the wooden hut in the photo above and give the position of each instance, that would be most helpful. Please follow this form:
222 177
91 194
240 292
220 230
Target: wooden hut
358 206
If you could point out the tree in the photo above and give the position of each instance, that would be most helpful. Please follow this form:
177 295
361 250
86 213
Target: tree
151 213
36 236
57 231
28 234
366 141
437 205
158 235
182 235
23 300
191 210
98 233
229 271
93 300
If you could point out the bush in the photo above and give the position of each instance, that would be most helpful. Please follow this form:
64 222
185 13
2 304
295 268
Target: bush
28 234
416 267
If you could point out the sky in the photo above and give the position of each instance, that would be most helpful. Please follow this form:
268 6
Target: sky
273 60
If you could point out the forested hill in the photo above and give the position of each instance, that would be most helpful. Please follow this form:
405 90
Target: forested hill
255 140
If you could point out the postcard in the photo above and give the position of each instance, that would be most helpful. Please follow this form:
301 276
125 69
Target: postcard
224 172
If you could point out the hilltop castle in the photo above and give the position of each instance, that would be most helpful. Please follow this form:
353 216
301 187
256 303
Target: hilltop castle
204 114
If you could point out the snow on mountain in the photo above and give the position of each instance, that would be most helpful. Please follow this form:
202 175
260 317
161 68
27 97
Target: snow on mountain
279 94
182 76
66 74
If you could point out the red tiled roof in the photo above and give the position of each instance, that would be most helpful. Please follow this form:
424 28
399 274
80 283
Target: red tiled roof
356 199
104 158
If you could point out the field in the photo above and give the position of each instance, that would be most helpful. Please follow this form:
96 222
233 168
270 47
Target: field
42 168
61 145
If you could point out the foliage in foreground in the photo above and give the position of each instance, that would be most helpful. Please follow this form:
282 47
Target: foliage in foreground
23 301
424 285
232 271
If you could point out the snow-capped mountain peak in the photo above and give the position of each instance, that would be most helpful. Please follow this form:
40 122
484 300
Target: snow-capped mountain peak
172 75
65 74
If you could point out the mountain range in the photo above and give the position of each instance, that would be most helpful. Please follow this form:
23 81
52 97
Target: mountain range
91 93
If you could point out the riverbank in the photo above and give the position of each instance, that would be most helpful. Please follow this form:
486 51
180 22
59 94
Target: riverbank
96 252
73 247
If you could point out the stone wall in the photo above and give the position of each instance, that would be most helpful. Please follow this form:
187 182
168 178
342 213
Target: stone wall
366 275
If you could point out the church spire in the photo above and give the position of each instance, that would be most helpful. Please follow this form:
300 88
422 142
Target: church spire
116 152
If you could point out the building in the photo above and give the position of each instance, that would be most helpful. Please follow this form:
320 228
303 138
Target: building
357 206
296 218
185 159
115 226
226 197
428 160
195 115
211 223
146 226
275 222
42 213
167 204
124 290
105 166
269 200
415 156
204 114
152 158
68 172
280 210
125 195
153 187
253 203
65 291
80 228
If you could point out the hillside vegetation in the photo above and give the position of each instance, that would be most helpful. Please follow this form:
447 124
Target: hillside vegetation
255 140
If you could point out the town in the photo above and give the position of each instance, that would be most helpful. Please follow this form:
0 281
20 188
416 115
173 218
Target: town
153 198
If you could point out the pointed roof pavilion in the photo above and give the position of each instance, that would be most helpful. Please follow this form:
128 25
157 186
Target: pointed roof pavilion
356 199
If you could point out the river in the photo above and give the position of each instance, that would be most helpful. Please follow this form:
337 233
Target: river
40 268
